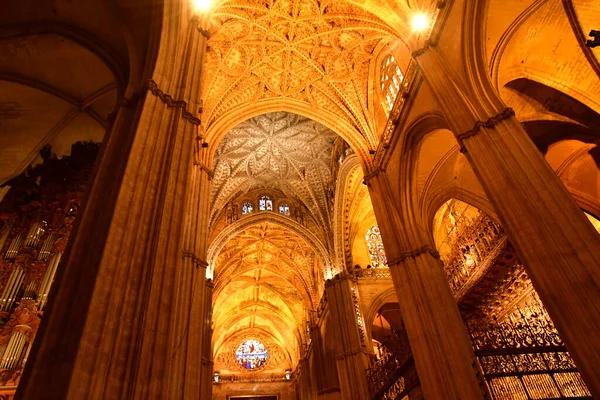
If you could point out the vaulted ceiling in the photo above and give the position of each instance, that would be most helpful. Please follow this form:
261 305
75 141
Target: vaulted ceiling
53 91
266 281
314 54
281 151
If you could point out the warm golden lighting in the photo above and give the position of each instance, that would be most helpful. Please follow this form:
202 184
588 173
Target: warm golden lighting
419 22
201 5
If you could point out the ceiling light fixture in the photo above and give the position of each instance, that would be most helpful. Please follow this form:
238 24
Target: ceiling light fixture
201 5
419 22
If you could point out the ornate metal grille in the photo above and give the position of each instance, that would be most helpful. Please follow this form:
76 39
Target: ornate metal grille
473 252
523 357
394 374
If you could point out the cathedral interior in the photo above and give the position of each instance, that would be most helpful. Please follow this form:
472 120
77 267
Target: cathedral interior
300 199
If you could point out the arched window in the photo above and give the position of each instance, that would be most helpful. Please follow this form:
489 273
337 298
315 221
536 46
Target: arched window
375 245
265 204
391 78
247 208
284 209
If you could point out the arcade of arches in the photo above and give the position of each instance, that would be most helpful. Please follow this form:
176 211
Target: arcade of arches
299 199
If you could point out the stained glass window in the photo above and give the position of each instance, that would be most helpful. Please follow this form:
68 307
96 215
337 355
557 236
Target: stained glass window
265 204
375 245
391 78
247 208
251 354
284 209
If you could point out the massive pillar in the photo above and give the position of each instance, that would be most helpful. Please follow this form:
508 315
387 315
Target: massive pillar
351 356
127 316
558 245
439 341
324 370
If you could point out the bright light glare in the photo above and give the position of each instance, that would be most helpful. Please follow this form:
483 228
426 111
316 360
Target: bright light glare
419 22
201 5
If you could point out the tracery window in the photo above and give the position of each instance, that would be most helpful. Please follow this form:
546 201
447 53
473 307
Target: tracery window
376 250
265 204
247 208
391 78
284 209
251 354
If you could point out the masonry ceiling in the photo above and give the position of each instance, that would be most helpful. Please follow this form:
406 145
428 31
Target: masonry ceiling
280 151
313 54
266 281
53 92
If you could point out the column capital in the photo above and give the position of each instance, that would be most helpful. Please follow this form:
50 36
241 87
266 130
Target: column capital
199 262
489 123
167 99
204 168
425 249
373 174
426 46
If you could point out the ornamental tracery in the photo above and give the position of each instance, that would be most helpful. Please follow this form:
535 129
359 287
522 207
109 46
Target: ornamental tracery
316 53
278 151
391 79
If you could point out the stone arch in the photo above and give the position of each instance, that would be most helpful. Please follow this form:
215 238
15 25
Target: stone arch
231 119
118 66
255 218
510 59
388 296
345 175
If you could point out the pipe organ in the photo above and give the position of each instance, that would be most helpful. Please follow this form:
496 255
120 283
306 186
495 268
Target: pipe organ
36 218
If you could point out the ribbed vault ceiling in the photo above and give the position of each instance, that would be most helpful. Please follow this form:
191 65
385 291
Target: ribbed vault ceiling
314 53
281 151
266 281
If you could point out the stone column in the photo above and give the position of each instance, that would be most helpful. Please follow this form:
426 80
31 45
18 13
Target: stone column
304 383
349 332
325 371
438 338
120 323
558 245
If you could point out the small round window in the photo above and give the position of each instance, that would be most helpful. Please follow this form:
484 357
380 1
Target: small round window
251 354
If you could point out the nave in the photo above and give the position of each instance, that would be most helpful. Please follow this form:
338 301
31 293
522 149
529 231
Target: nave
299 200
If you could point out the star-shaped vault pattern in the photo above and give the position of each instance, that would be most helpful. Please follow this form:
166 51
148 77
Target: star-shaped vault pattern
315 52
281 151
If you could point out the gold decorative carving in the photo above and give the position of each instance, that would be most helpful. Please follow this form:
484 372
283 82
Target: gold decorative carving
318 54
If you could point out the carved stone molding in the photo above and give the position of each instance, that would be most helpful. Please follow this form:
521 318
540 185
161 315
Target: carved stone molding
204 168
197 260
168 100
372 175
426 249
428 44
489 123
